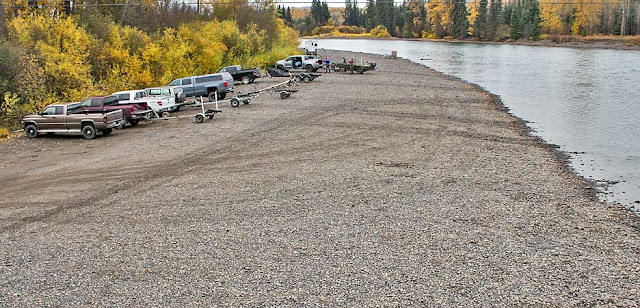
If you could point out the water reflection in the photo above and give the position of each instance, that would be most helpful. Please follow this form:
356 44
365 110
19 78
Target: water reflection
584 100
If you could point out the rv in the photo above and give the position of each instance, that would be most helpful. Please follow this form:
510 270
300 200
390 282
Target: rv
311 47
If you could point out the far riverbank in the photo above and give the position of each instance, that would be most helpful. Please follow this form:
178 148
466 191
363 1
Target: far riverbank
571 41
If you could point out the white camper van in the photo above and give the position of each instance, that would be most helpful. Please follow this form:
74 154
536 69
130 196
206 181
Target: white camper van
311 47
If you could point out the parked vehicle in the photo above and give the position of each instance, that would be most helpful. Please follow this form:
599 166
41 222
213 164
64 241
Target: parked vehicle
71 119
132 113
206 85
246 76
309 63
311 47
174 94
159 105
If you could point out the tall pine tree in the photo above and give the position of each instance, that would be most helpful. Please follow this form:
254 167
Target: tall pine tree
460 23
480 24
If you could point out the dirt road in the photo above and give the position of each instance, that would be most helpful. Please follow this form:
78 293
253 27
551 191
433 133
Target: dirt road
396 187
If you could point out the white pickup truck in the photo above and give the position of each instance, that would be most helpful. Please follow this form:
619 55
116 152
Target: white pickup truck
160 105
174 94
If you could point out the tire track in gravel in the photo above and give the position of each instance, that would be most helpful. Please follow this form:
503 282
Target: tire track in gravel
202 157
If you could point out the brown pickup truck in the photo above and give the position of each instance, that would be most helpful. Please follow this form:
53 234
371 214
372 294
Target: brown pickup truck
132 113
71 119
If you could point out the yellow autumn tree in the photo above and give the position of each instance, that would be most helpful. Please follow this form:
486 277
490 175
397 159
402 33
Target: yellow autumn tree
61 49
587 17
440 18
550 21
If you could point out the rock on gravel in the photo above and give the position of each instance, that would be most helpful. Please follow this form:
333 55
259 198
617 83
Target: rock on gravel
398 187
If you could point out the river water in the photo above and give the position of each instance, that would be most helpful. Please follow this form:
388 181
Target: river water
587 101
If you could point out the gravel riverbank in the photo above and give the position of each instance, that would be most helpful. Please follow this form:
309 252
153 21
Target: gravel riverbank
396 187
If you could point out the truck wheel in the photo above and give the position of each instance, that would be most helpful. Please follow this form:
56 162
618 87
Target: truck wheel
106 131
134 122
280 67
88 132
306 79
31 131
235 102
199 118
309 68
212 96
246 80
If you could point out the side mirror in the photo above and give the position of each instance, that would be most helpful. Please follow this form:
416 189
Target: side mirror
40 113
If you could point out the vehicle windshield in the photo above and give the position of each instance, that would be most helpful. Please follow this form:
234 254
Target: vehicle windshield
175 82
86 103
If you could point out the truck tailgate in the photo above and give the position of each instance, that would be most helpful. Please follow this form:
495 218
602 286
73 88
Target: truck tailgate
114 116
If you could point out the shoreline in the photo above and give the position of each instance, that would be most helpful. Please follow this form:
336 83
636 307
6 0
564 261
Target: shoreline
595 187
591 186
538 43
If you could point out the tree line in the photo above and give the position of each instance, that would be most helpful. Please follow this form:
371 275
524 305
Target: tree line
483 19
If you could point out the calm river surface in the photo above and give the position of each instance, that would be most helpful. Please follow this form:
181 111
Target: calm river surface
584 100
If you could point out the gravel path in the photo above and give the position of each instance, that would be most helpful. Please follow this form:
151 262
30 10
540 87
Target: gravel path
399 187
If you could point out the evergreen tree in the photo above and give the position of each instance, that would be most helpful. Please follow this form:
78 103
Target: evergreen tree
370 15
355 11
316 12
533 23
480 24
288 19
460 23
326 15
351 13
516 21
495 19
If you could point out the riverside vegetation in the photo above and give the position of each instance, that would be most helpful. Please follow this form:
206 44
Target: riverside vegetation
486 20
54 54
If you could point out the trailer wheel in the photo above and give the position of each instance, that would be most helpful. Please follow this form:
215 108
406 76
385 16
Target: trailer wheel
165 115
134 122
106 131
298 78
235 102
283 95
306 79
246 80
199 118
31 131
88 132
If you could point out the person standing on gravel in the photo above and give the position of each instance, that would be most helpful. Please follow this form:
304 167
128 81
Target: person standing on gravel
327 65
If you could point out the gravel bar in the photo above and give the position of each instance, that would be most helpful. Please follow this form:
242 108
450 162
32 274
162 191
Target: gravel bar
397 187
